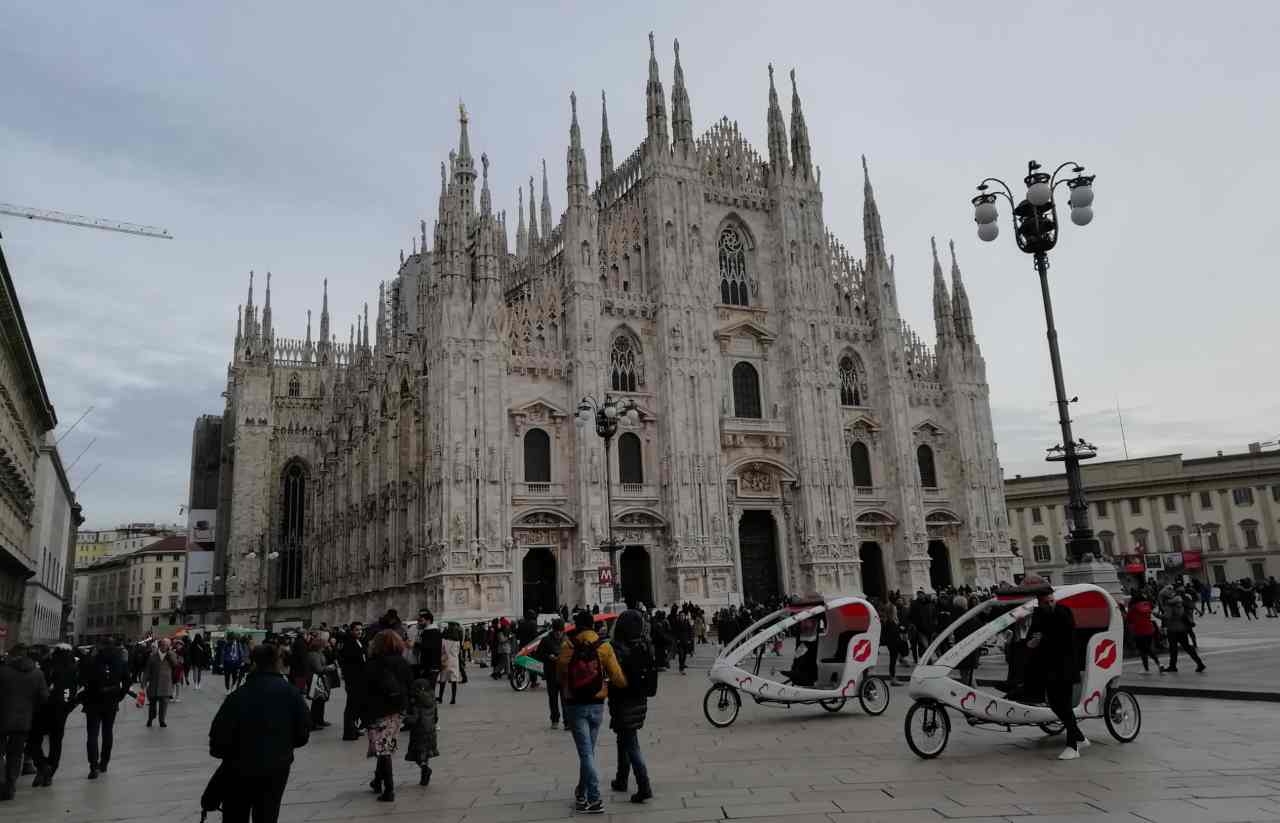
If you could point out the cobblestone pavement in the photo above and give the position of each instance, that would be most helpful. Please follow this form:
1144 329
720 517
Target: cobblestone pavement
1195 761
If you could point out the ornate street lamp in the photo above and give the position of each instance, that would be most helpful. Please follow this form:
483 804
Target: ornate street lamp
264 576
1035 228
607 417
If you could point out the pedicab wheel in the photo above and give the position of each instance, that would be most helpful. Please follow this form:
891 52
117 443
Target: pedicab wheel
1123 715
519 678
1050 729
874 696
833 705
721 705
928 729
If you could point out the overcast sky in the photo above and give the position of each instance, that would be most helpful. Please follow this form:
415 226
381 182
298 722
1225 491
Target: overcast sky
306 138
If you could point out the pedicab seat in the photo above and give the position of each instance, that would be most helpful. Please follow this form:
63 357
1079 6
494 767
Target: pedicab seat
842 647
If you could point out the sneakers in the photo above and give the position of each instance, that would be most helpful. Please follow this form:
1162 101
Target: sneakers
594 807
93 773
1070 753
1084 743
579 804
643 793
1200 669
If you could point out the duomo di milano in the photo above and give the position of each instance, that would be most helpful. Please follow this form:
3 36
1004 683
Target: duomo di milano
795 434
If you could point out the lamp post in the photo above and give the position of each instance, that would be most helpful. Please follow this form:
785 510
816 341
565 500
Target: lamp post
1035 228
607 416
264 576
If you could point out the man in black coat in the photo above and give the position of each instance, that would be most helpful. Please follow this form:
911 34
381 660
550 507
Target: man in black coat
22 692
254 734
351 660
1051 641
526 633
105 679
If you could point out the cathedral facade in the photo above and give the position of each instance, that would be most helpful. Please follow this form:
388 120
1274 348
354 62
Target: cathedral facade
794 435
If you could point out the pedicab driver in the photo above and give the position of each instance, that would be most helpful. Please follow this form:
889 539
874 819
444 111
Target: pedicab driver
1051 644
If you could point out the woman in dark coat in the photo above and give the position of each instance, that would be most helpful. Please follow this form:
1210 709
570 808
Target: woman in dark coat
629 706
386 696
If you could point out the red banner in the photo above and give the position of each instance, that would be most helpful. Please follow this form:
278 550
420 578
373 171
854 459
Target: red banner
1133 564
1192 561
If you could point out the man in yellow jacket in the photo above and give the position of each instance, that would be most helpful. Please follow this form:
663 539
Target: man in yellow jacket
585 668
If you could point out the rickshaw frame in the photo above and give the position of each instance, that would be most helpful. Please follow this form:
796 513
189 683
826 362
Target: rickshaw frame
855 651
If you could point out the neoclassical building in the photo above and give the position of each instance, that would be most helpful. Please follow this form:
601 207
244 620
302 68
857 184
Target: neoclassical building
794 435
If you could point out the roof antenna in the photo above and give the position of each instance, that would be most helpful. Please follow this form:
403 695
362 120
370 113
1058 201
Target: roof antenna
1123 441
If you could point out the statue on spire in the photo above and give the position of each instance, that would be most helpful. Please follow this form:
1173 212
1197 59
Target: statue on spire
606 145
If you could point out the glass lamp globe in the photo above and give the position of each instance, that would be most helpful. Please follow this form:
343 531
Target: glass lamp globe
633 417
1081 196
988 231
1082 216
611 411
1039 193
985 213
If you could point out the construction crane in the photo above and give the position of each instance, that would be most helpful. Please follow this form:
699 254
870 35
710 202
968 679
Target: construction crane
86 222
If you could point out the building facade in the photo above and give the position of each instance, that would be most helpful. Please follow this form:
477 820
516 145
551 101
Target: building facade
47 600
133 594
93 545
201 604
1217 518
795 435
26 417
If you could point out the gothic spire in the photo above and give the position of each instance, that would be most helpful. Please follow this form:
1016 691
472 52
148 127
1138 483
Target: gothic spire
942 319
960 300
533 217
239 327
522 236
576 159
266 312
606 145
872 231
486 200
380 339
308 329
324 315
778 162
464 167
464 140
681 115
364 335
656 104
546 205
800 152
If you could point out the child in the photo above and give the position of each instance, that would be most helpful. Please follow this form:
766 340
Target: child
422 727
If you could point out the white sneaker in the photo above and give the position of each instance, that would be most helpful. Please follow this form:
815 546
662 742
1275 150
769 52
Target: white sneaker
1069 753
1084 743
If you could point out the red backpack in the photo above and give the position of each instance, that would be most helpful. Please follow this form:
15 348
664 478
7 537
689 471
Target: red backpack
585 674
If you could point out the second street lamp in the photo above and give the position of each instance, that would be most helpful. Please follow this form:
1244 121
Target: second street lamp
1035 228
607 416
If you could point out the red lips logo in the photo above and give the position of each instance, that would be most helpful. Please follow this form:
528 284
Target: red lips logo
971 697
1105 654
861 650
1094 699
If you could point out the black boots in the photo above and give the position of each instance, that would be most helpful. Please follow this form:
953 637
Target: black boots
643 791
618 784
387 779
425 778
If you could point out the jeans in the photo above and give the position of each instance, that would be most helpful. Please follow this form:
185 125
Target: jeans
259 795
630 758
52 727
12 746
1177 639
158 705
1058 696
99 720
553 695
584 720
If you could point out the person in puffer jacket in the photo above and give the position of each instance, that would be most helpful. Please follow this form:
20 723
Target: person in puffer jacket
629 704
22 691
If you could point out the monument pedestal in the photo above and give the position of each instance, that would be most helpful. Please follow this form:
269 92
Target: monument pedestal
1094 571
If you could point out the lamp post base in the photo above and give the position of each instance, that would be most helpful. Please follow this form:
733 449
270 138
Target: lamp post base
1089 567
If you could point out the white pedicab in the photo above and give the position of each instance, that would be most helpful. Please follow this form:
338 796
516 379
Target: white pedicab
945 677
838 642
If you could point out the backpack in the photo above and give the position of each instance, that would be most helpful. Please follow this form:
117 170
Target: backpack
585 674
642 674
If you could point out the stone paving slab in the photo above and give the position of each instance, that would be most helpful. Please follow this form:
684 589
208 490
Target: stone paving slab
1195 760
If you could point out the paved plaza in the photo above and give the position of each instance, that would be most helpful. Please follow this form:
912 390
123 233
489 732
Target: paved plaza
1196 760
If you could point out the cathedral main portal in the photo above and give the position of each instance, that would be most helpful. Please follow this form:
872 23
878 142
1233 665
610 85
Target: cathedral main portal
758 547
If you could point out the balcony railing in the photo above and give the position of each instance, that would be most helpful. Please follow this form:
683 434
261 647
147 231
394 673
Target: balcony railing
935 493
868 491
539 490
636 490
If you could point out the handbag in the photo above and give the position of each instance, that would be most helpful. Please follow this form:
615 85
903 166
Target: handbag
331 678
319 689
216 791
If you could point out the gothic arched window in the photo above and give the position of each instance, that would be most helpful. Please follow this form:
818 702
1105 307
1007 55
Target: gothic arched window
295 386
625 371
293 514
861 460
733 268
746 391
850 391
928 472
537 457
630 459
